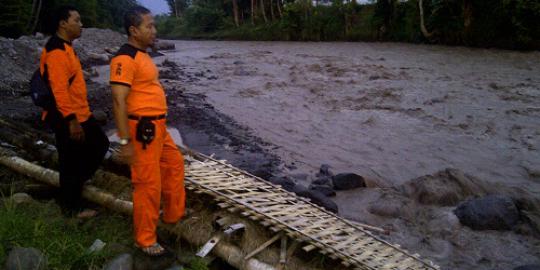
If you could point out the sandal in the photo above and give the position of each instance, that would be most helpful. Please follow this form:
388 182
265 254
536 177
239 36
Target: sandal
154 250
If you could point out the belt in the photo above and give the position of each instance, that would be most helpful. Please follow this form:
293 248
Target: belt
151 118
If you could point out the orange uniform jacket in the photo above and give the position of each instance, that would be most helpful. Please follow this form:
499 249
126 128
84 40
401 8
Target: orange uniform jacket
65 76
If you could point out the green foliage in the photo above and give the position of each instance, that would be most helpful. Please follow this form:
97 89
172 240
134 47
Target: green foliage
204 18
500 23
15 17
63 241
525 18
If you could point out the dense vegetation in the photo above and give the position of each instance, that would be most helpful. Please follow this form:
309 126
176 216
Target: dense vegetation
19 17
487 23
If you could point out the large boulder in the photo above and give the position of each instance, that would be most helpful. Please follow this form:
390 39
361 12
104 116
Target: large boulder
493 212
26 259
346 181
445 188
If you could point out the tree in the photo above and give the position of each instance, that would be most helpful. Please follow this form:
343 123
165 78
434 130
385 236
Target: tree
235 12
15 17
428 35
178 7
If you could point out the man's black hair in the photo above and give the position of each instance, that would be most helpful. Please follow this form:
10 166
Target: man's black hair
61 14
133 17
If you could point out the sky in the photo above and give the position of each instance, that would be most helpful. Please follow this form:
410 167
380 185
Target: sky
156 6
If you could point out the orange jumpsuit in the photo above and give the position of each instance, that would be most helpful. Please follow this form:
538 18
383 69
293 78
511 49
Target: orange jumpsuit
157 171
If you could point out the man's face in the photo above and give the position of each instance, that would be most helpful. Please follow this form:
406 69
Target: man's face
73 25
145 33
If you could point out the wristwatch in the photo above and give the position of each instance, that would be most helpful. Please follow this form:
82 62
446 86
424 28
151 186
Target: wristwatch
124 141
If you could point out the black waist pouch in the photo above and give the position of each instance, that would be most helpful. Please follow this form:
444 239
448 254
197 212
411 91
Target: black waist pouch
146 131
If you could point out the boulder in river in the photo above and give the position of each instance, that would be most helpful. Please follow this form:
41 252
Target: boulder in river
346 181
445 188
492 212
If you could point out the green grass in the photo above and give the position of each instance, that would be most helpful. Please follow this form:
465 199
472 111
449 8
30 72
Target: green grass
64 241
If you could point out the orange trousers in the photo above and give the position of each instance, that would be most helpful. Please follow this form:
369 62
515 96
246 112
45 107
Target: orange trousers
157 172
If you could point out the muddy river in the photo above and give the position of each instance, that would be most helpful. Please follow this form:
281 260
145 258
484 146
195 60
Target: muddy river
397 110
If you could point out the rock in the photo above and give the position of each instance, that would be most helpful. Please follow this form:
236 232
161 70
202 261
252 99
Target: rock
325 190
97 59
112 50
39 35
528 267
316 198
19 198
238 62
324 170
284 182
97 246
345 181
121 262
25 259
492 212
445 188
164 45
324 181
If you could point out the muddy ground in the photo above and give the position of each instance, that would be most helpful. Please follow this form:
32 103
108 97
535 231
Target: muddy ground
400 115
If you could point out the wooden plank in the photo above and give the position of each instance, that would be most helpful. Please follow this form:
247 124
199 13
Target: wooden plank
263 246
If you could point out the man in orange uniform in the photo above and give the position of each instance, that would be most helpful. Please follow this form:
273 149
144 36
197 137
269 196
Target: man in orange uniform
157 166
80 142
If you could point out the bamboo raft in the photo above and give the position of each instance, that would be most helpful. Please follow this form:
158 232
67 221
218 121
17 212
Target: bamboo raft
285 214
283 211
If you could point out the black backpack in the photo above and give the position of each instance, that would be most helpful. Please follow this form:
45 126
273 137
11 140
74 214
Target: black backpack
40 91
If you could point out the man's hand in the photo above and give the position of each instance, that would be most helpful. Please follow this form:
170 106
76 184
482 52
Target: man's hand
126 154
76 132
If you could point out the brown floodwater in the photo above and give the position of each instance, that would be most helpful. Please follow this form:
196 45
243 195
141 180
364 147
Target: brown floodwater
397 110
